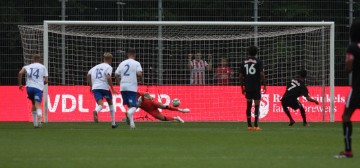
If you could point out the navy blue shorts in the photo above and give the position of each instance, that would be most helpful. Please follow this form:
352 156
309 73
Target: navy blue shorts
100 94
34 94
129 98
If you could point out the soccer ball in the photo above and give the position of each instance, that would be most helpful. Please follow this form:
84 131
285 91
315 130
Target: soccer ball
176 102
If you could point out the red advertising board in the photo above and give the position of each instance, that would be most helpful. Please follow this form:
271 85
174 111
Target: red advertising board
207 103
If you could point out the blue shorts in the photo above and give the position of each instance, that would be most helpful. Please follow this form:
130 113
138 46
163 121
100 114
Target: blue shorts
34 94
100 94
129 98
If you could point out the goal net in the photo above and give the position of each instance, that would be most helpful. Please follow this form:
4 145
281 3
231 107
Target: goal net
197 62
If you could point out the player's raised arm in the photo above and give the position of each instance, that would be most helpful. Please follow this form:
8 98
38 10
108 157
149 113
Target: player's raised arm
20 75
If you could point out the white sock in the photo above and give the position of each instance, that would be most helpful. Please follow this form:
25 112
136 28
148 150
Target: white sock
98 108
39 115
34 115
112 114
131 111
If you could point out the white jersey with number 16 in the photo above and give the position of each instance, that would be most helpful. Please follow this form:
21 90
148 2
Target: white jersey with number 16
35 74
128 72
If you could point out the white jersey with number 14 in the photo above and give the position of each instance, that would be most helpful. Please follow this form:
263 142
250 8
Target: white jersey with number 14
35 74
128 72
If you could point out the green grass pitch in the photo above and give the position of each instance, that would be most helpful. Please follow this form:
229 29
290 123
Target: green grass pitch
160 145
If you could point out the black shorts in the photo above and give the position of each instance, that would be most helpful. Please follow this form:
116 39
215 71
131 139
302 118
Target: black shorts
353 100
294 104
253 95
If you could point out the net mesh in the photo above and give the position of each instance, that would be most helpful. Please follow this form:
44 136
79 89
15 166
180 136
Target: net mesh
284 50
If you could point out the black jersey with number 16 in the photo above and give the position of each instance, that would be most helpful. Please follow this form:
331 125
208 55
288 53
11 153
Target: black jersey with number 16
251 69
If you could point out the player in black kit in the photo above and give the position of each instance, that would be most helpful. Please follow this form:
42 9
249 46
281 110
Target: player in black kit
352 64
251 77
295 89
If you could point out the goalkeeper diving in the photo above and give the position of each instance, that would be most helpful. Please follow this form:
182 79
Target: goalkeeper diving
151 106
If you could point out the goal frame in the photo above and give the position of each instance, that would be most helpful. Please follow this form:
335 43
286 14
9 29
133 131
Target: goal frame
46 23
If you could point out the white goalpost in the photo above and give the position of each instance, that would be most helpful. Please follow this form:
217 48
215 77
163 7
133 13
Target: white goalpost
163 48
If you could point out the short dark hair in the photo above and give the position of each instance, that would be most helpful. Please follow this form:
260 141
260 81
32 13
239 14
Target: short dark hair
355 31
252 50
302 73
131 51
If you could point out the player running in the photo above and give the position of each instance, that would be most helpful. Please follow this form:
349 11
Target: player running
36 78
252 76
352 66
151 106
295 89
99 79
129 71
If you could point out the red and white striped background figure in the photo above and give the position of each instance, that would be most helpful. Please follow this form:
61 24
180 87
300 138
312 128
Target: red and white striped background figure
198 68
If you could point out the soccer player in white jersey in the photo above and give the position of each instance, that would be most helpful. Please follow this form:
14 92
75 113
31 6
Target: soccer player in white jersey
99 79
36 78
129 71
198 68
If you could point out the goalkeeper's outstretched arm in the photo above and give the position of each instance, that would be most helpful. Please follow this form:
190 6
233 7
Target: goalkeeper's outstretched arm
146 95
171 108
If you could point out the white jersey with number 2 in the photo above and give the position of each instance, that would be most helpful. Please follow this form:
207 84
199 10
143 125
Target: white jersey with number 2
98 76
35 74
128 71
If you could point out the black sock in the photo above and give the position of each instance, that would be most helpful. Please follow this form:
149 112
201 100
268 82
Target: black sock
257 112
347 127
303 114
287 112
248 113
